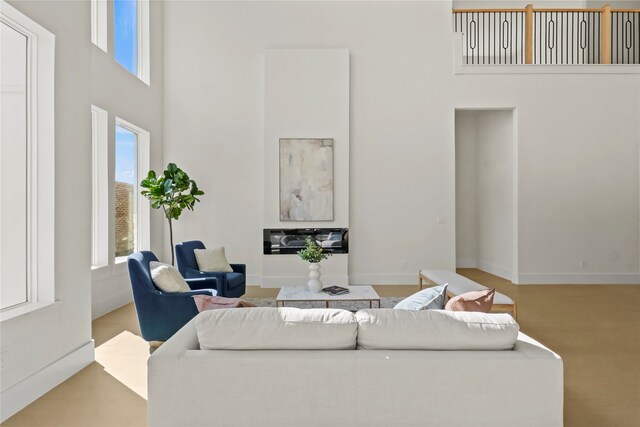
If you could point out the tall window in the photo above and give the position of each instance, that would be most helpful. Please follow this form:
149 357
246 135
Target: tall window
99 23
126 189
126 34
131 210
13 168
26 164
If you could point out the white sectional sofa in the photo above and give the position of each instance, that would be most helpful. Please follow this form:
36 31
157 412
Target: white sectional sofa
380 367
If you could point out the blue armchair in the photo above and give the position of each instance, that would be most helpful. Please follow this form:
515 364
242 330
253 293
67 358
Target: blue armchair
161 314
230 285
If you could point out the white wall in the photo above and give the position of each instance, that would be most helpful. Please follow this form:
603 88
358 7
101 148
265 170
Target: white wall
306 96
46 346
577 135
466 191
122 94
495 192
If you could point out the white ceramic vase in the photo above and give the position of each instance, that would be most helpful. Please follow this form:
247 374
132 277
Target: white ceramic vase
314 283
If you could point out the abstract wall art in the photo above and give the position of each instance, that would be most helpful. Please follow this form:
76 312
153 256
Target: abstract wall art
306 179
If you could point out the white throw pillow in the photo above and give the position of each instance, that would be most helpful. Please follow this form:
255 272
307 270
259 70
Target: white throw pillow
212 260
167 278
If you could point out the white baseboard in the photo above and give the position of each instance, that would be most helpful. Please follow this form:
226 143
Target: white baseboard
466 263
20 395
495 270
579 279
254 279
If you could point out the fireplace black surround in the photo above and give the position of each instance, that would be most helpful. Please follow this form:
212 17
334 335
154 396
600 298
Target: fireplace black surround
285 241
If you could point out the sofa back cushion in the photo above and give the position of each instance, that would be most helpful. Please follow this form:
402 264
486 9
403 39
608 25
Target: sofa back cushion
389 329
267 328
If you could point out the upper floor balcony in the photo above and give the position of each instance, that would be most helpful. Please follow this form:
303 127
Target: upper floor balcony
548 36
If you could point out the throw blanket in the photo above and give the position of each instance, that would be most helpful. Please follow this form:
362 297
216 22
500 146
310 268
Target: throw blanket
207 302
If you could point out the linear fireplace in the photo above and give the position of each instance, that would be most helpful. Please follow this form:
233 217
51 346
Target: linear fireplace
283 241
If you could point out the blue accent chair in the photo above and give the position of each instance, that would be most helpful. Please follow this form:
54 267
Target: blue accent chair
230 285
161 314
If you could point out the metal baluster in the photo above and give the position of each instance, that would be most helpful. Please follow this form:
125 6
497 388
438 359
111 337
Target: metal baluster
484 40
467 36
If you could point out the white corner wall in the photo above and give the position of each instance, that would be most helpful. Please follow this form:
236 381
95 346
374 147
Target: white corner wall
44 347
578 139
466 189
494 199
84 75
306 96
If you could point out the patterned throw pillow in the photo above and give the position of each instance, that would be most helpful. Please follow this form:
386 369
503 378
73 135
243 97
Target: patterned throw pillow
427 299
472 301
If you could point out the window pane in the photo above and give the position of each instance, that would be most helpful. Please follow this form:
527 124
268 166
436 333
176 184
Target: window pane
126 34
13 167
126 191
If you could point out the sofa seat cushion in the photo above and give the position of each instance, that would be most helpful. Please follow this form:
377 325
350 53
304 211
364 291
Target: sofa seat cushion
268 328
389 329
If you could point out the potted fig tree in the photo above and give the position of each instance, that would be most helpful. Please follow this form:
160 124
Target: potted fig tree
173 192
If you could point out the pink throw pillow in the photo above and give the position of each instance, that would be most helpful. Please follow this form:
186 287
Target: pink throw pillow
207 302
481 301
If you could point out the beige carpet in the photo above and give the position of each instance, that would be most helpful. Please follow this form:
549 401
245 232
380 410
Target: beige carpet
595 328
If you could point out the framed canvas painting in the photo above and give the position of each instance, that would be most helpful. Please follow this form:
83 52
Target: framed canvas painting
306 179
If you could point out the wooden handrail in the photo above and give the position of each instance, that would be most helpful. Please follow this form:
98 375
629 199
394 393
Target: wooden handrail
550 9
485 10
541 10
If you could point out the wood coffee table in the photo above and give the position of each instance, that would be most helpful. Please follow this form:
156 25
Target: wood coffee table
303 294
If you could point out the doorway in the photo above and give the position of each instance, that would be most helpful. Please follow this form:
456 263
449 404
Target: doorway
485 150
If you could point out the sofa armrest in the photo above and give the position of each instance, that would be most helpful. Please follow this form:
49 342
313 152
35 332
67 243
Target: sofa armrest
185 339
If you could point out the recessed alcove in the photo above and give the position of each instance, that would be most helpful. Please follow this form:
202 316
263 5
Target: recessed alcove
486 191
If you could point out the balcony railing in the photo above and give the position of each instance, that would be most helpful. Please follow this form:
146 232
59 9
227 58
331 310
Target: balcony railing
549 36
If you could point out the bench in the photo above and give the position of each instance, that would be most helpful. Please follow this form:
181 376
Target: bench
457 285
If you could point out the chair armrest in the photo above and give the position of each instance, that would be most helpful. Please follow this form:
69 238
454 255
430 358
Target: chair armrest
198 283
240 268
188 294
192 273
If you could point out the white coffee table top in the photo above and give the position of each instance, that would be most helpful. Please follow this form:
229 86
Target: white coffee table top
302 293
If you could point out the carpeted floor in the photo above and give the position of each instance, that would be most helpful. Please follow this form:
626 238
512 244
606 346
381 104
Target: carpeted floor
593 327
